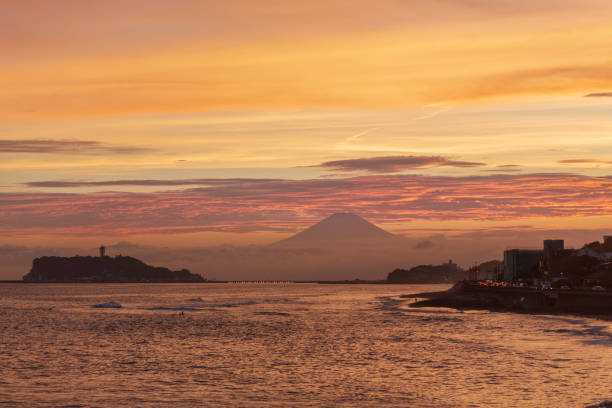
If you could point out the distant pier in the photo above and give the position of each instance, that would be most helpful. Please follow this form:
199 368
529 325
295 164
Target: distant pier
276 282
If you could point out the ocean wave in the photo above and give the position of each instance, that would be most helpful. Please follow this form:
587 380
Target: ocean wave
272 313
108 305
605 404
178 309
593 334
237 304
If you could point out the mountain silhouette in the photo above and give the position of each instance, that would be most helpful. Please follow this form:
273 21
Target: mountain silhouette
340 228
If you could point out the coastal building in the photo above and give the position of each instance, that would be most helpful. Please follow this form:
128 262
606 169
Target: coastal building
520 263
102 251
553 249
601 251
553 245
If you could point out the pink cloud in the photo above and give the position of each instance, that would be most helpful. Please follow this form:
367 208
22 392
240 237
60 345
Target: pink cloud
244 205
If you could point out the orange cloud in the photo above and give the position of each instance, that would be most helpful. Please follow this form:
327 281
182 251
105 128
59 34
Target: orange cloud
141 57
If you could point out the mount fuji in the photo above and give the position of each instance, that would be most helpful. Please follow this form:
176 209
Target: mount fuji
341 229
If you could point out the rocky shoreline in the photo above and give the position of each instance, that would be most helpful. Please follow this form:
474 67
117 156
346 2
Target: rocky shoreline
466 295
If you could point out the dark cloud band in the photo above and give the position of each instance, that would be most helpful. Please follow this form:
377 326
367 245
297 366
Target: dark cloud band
394 164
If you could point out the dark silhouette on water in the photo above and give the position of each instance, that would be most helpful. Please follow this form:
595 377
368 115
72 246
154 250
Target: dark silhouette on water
446 273
103 269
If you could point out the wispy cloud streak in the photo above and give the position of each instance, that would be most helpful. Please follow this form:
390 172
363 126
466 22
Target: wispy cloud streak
599 95
584 161
64 147
142 183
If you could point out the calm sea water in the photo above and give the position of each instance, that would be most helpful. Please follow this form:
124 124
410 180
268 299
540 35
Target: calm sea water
302 345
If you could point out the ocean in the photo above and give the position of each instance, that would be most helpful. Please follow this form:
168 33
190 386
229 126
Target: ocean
288 345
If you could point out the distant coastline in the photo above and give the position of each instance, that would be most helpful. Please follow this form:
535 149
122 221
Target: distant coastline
320 282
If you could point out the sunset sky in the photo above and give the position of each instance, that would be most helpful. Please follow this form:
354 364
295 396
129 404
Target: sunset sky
192 123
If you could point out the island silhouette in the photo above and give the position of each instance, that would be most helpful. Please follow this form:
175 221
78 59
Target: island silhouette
103 269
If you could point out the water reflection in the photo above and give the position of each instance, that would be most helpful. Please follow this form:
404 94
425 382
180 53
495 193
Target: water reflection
287 345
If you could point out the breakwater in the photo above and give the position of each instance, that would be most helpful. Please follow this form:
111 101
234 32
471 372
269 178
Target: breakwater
466 295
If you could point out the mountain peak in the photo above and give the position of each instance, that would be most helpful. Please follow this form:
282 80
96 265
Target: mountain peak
343 216
339 228
346 219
